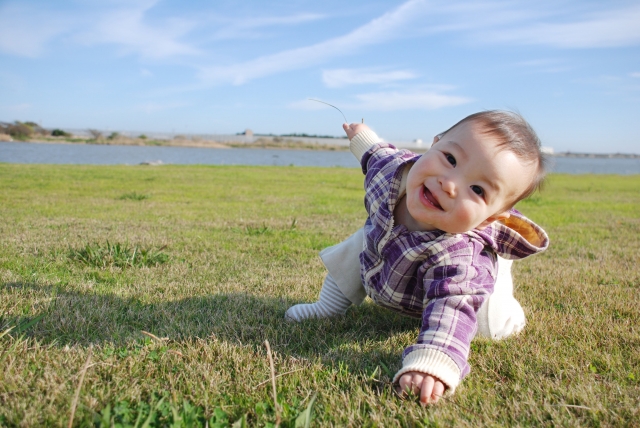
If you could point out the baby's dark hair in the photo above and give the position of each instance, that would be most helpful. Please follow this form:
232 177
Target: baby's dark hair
513 133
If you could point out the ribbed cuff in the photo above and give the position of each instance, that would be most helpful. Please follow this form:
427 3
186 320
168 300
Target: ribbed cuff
434 363
362 141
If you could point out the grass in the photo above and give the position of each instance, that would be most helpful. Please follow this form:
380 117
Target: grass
181 343
118 255
134 196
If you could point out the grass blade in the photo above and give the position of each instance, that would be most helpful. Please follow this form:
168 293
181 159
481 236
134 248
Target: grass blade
304 418
23 327
6 331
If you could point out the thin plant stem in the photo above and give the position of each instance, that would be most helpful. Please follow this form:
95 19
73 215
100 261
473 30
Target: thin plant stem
74 404
273 383
153 336
331 105
281 374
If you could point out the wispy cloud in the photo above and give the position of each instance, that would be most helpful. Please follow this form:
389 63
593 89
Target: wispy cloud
636 75
546 65
25 30
250 27
408 99
478 22
564 26
382 29
128 29
606 28
345 77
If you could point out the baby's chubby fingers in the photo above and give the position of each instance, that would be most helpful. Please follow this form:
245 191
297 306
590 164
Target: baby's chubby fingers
410 383
354 129
431 390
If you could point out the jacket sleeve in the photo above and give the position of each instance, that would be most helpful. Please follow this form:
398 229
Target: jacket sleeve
453 296
362 142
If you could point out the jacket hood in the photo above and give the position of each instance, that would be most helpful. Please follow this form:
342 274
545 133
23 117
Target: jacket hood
516 237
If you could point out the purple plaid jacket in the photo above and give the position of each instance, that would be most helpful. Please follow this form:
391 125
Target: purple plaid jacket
440 277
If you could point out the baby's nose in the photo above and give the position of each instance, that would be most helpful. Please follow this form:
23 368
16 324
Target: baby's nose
448 186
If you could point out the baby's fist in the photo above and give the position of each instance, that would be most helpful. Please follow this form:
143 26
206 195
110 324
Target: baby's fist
354 129
429 388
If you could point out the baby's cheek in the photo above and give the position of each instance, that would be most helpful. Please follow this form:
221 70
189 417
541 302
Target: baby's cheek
467 217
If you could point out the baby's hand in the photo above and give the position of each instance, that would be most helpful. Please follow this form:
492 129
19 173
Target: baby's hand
430 388
354 128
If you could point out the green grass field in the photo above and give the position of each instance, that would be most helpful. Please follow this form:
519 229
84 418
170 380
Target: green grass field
207 260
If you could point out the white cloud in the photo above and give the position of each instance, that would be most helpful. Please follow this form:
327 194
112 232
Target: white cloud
382 29
419 99
128 29
606 28
463 17
543 65
636 75
25 30
247 27
563 25
478 22
344 77
280 20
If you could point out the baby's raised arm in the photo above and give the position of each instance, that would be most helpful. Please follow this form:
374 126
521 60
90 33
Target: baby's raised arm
430 388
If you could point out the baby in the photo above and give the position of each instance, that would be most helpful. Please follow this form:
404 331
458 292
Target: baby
429 248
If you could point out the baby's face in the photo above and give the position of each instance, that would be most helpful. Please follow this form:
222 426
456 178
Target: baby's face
464 182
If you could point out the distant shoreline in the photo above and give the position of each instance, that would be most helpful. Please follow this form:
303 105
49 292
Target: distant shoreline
285 143
258 143
596 155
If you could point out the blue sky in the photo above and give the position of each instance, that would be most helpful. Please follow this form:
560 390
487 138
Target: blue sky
409 68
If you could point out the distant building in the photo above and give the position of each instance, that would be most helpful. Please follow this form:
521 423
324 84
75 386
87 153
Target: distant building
547 150
248 133
418 142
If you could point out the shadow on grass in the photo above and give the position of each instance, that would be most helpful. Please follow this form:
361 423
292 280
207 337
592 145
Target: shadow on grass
361 339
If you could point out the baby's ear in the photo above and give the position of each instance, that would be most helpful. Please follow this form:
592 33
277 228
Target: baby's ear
500 216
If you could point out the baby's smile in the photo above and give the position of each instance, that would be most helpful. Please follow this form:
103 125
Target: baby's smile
430 198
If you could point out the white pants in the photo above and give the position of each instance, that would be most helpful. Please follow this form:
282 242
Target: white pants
499 316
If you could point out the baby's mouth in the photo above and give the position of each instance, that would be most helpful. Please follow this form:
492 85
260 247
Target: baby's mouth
432 199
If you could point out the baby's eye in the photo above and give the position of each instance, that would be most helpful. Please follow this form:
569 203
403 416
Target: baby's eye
477 190
450 159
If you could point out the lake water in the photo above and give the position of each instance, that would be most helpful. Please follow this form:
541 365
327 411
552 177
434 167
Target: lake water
13 152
